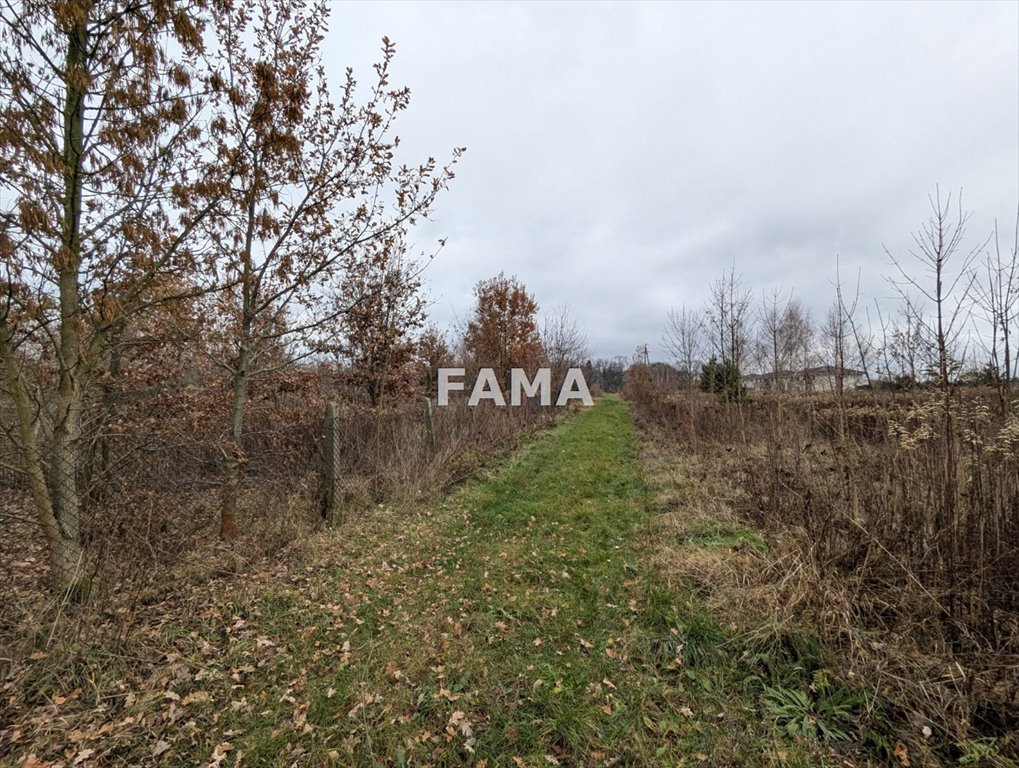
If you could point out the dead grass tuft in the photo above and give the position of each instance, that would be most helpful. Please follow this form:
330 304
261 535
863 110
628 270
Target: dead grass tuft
847 496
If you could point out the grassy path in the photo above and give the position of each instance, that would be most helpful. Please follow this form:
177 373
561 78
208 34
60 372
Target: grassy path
512 626
525 620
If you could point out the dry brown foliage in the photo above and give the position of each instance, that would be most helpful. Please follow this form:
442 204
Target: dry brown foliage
847 491
154 476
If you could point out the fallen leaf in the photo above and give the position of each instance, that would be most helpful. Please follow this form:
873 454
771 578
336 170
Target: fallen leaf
219 753
160 747
902 754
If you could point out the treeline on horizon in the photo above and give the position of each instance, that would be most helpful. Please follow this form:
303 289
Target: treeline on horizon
955 320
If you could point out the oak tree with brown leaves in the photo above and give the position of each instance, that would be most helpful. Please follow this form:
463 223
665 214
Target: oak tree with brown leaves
314 187
99 147
380 308
432 353
502 333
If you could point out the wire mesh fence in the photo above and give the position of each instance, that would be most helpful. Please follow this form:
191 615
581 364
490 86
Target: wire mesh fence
146 475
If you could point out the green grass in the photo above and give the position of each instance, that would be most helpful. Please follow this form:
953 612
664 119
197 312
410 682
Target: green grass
726 537
516 623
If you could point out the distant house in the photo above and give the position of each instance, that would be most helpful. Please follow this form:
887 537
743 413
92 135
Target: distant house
822 378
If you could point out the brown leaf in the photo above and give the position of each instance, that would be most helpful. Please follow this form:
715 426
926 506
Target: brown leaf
160 747
196 696
219 753
902 754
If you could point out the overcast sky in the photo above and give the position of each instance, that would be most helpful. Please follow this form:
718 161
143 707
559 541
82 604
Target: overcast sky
621 155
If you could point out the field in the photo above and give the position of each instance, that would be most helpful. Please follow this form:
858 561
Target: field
892 528
602 597
672 424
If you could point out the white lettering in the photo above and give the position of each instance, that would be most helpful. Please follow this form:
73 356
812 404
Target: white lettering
446 386
542 383
574 388
486 388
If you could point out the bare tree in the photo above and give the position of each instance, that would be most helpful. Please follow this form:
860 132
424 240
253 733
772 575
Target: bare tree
848 344
904 349
769 315
684 340
836 334
946 281
997 294
563 340
728 312
783 334
798 334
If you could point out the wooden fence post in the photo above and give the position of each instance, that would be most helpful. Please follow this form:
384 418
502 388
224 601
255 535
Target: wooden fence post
430 424
330 491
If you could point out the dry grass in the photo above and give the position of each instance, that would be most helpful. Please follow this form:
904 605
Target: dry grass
151 522
848 495
514 623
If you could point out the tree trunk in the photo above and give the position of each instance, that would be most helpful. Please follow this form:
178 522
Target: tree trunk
234 453
66 553
1005 381
55 494
60 510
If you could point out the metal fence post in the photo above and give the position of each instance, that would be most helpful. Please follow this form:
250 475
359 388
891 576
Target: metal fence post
430 424
331 465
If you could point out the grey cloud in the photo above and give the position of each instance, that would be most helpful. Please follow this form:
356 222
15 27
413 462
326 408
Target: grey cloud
621 155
